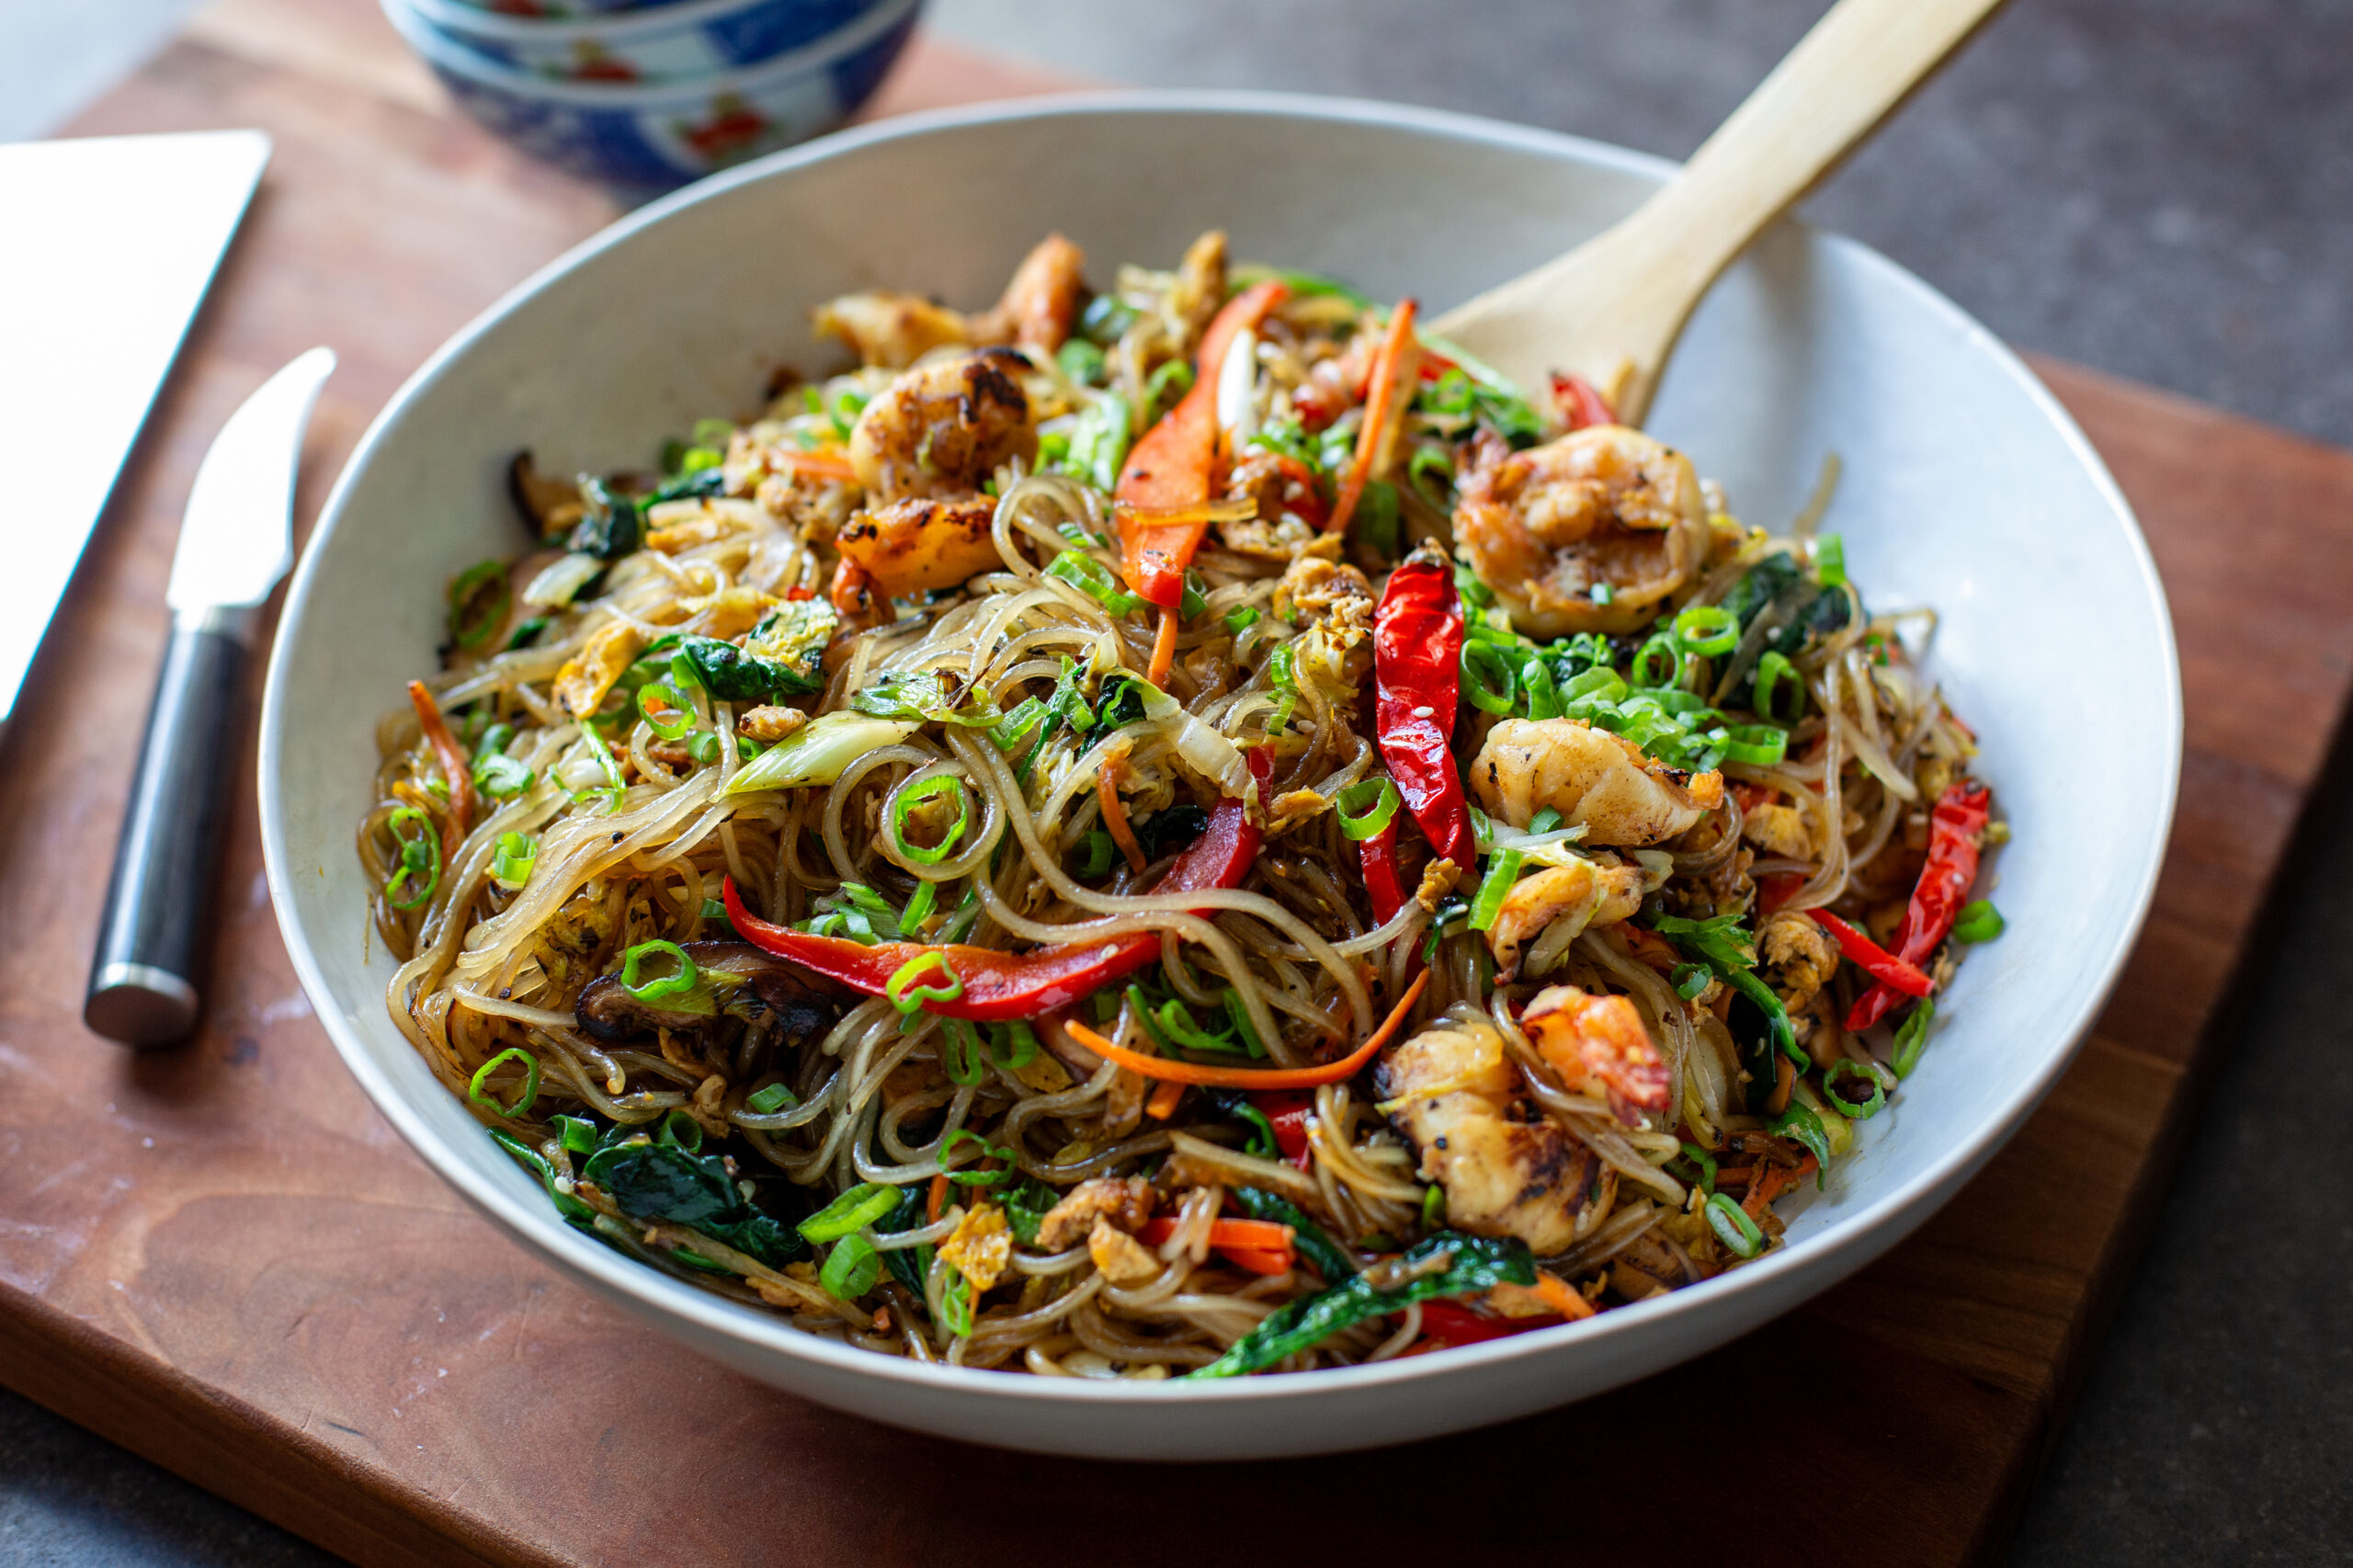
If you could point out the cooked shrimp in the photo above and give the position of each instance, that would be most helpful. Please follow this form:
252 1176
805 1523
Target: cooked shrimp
1042 301
914 544
889 329
1610 893
1595 779
1602 506
943 427
1599 1047
1505 1169
1798 955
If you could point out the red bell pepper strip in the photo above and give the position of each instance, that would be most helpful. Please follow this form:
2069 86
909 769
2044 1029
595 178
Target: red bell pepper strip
1954 829
1170 469
1578 404
999 986
1417 674
1870 957
1288 1114
1777 890
1450 1322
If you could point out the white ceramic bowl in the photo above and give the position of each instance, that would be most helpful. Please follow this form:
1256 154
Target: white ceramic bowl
1966 487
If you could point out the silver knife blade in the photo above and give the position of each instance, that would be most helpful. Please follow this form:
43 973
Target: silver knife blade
237 539
113 241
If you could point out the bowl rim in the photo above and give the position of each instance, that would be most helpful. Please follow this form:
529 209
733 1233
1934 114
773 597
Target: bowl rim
446 54
614 27
1903 1208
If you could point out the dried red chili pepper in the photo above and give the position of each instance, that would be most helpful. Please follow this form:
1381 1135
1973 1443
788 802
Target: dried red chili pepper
1870 957
1417 674
1954 829
1578 404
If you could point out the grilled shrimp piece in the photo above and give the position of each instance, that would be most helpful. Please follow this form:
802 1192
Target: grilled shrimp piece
1798 955
1040 302
1598 1046
890 329
1605 504
1506 1170
943 427
1612 893
1595 779
914 544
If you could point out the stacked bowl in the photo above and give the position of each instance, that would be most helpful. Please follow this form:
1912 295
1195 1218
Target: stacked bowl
644 96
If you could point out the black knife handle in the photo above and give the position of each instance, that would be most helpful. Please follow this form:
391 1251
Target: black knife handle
143 978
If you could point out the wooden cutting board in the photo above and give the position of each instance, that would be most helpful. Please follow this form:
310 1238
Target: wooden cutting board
222 1258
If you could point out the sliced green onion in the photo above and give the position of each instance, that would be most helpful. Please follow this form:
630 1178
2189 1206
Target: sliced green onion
1542 697
517 853
1176 1021
1846 1069
1094 579
1242 620
420 859
1689 980
1097 850
1912 1037
1243 1027
1367 807
956 1302
1773 672
1759 745
1602 594
1979 922
1168 382
851 1268
907 997
1596 687
931 788
673 985
682 1131
1261 1141
1082 361
1488 683
1733 1227
960 1052
476 615
1193 600
1705 1162
526 632
1656 662
1431 459
1707 630
1800 1122
1830 561
680 719
1490 902
578 1137
989 1151
704 748
853 1210
500 777
1013 1046
1433 1208
478 1090
919 906
769 1100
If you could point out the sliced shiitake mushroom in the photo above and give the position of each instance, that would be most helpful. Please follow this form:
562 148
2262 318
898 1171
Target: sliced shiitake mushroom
550 505
733 980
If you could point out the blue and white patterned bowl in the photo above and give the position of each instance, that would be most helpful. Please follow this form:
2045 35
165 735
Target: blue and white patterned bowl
672 43
558 9
646 138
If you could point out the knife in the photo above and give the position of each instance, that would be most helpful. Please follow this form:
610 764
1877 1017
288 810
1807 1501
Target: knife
236 541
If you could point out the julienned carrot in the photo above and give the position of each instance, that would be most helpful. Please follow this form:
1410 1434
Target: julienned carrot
1379 393
1265 1235
1170 1071
1561 1297
1258 1262
1773 1182
1163 1103
831 463
453 767
938 1199
1115 815
1163 650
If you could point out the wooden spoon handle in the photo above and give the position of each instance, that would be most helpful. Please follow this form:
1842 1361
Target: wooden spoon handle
1611 308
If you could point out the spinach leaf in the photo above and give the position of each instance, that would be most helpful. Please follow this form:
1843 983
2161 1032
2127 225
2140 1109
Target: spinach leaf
1171 827
784 656
531 1160
1026 1208
663 1184
701 484
609 529
1325 1256
1473 1263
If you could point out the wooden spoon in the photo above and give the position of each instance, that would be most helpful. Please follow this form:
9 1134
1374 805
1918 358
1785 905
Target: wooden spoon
1611 308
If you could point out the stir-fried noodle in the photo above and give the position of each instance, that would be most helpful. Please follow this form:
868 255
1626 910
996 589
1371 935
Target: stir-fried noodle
1181 829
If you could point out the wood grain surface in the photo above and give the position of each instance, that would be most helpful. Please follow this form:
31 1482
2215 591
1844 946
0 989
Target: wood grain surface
223 1258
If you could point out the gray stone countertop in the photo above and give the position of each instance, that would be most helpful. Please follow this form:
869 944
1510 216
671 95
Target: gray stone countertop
2159 189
